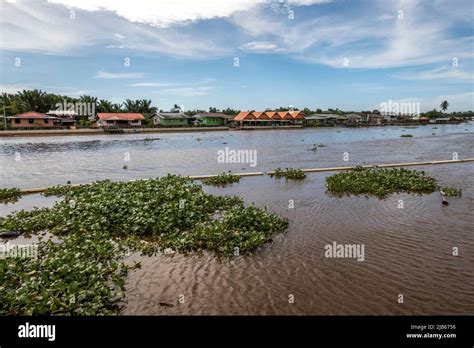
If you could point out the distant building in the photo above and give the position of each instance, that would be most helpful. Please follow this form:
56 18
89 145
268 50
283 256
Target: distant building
269 118
120 120
212 119
170 119
33 119
353 120
321 120
67 118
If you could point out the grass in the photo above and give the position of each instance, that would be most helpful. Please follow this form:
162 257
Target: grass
406 136
380 182
222 179
288 173
83 272
9 195
451 191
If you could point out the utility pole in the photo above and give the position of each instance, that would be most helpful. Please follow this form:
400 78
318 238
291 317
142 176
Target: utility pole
4 117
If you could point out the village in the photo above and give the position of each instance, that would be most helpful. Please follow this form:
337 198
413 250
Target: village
244 120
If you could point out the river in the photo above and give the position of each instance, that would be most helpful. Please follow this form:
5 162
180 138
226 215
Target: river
408 250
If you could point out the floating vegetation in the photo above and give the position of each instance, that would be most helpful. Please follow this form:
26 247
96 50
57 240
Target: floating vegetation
82 273
9 195
406 136
380 182
151 139
222 179
451 191
288 173
59 190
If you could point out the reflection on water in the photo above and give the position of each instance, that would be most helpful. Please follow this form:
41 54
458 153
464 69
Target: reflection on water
407 250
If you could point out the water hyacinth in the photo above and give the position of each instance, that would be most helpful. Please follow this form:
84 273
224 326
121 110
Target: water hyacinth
288 173
380 182
83 273
451 191
222 179
9 195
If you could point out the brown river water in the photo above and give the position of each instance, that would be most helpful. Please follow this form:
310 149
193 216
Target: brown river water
407 251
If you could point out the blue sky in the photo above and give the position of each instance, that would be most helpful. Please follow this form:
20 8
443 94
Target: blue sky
348 54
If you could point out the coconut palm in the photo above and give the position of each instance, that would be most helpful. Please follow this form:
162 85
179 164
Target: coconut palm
444 105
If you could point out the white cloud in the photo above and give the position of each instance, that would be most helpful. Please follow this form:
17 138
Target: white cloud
153 84
259 46
108 75
371 37
164 13
444 72
189 91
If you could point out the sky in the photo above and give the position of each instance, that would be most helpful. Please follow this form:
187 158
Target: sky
244 54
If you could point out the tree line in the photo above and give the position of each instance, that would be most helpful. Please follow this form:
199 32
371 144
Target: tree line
41 101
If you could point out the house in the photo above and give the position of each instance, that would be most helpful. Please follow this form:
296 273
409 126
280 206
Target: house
353 120
442 120
321 120
424 120
170 119
66 118
373 120
210 119
118 119
269 118
33 119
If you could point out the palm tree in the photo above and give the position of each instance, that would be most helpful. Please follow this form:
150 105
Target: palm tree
105 106
444 105
34 100
131 105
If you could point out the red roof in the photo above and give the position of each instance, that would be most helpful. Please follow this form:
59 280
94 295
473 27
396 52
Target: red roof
118 116
32 114
297 115
244 115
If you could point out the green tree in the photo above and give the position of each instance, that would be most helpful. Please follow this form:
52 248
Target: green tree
444 105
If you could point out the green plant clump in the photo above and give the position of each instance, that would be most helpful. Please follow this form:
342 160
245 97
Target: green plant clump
222 179
380 182
406 136
451 191
288 173
9 195
83 273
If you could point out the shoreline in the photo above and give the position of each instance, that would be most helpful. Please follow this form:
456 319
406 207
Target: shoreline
93 131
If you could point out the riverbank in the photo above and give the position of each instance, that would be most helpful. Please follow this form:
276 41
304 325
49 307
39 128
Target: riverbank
96 131
91 131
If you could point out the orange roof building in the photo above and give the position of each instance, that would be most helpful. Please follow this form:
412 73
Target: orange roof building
269 117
